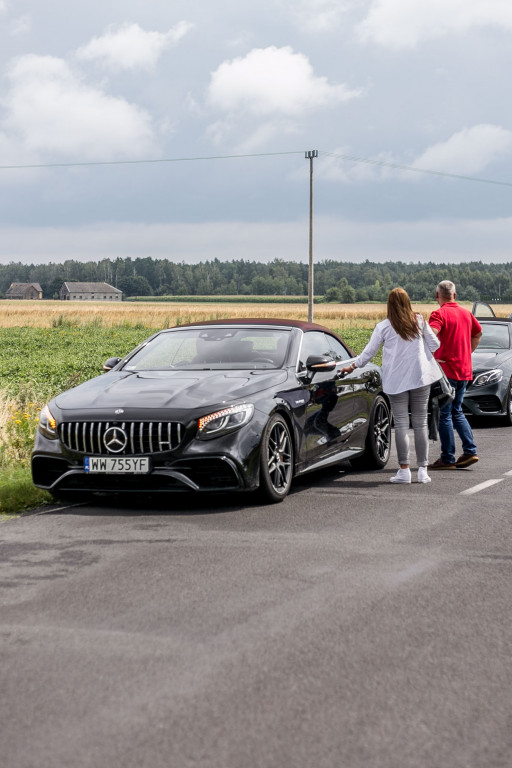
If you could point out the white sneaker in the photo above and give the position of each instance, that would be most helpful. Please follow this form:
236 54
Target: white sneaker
402 476
423 475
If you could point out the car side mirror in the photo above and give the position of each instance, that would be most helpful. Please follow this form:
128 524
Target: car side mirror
111 363
320 364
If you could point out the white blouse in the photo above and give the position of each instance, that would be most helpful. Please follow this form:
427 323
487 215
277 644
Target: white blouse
405 364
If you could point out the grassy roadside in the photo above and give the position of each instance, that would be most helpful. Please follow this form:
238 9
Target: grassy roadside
18 494
18 423
37 362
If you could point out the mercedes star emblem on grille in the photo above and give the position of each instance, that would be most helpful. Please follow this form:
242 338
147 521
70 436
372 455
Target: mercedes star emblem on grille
115 439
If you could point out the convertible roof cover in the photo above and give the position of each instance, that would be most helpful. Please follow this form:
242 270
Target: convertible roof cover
271 321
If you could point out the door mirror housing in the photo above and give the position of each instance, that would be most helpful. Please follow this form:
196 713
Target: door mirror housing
111 363
320 364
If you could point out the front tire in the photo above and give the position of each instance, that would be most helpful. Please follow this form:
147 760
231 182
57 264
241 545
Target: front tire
378 438
276 460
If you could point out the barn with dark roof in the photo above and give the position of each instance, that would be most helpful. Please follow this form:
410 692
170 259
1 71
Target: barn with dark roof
22 291
89 292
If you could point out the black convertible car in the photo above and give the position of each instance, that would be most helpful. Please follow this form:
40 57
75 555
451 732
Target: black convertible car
490 391
215 406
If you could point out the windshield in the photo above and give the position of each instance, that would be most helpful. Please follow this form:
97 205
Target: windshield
494 337
213 348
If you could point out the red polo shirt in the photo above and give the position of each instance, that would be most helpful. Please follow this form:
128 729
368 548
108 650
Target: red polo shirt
455 326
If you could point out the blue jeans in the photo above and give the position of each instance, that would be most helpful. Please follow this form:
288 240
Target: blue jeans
451 417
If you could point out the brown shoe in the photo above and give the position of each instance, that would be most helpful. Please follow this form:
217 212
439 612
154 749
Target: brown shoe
440 464
466 459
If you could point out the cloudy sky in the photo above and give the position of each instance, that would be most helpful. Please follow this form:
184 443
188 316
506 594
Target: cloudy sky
177 130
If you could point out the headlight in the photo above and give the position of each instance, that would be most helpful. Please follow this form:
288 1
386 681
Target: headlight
489 377
47 424
226 420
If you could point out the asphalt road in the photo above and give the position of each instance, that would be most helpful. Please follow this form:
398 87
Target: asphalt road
358 624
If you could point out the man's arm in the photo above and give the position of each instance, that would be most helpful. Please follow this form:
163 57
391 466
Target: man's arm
435 322
436 331
475 341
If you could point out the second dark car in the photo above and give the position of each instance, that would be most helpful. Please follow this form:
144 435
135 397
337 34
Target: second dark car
221 406
489 393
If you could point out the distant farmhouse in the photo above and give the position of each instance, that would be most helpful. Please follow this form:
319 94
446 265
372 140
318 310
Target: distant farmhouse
24 291
89 292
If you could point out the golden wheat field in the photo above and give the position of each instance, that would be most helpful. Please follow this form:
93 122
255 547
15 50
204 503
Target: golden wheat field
167 314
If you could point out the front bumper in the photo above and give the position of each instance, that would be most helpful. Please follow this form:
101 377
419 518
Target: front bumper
485 401
207 473
228 463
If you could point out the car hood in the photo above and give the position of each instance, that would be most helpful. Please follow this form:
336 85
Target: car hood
170 389
484 359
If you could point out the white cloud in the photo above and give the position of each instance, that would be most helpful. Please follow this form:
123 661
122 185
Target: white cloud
273 81
21 26
263 134
131 47
341 166
467 152
406 23
50 111
320 15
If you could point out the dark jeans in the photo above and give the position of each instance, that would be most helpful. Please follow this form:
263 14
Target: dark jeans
451 417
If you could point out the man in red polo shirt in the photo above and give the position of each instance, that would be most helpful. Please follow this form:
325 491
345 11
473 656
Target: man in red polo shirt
459 333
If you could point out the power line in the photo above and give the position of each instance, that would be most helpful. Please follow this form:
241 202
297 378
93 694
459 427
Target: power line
142 162
350 158
414 169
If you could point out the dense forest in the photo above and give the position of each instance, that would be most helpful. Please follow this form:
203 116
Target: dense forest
344 282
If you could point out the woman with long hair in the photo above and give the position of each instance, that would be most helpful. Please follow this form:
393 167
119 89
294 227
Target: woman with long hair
408 370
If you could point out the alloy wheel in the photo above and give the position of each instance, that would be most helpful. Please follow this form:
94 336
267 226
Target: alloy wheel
382 431
279 457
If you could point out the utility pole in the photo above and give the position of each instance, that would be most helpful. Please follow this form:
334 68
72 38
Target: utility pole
309 156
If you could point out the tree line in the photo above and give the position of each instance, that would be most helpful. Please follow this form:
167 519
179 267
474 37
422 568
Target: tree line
344 282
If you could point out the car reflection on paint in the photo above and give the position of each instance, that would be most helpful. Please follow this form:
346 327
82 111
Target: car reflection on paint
230 405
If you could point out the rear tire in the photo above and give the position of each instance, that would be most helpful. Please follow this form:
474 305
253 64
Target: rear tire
276 460
378 438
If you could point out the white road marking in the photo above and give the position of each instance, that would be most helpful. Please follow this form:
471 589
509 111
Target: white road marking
508 474
480 487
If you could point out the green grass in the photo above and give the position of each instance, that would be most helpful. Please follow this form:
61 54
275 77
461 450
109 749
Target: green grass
357 339
37 363
18 493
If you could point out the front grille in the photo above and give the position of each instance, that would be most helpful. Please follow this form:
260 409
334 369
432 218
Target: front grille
142 437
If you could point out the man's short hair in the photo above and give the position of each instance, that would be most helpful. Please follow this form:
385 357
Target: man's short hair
446 289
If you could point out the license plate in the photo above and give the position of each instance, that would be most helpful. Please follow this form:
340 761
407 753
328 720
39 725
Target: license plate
116 465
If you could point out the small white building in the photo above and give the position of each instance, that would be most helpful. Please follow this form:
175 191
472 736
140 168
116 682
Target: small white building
89 292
